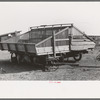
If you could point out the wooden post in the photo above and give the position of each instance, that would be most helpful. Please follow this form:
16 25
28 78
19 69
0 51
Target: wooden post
16 47
8 47
70 32
25 48
1 46
54 44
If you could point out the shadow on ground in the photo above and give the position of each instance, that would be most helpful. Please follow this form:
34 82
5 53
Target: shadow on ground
10 67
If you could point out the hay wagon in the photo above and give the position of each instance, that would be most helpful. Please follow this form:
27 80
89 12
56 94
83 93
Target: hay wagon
48 44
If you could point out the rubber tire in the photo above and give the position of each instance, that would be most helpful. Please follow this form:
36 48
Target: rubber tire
80 56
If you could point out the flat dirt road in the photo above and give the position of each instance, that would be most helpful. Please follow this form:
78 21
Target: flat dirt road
88 69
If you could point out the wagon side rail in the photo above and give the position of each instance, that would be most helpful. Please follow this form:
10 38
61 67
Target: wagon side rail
18 47
52 26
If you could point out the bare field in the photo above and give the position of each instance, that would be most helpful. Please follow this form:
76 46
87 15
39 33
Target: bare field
89 69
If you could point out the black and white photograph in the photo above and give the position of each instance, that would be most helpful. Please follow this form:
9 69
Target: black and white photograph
49 49
49 41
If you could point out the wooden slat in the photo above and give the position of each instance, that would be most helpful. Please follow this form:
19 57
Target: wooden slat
50 26
61 39
51 37
70 32
54 52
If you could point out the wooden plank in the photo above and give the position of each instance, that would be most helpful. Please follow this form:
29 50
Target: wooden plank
62 43
31 48
49 50
83 43
54 25
16 47
1 46
61 39
70 38
51 37
54 52
25 48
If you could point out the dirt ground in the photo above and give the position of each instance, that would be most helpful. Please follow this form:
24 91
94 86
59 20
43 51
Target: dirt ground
88 69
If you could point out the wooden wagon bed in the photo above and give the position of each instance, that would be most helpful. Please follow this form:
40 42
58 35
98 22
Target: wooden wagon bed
42 40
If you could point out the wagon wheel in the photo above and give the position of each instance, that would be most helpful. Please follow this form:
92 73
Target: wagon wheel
77 57
98 57
52 66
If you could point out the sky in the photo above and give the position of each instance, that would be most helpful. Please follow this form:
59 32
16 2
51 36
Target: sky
20 16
